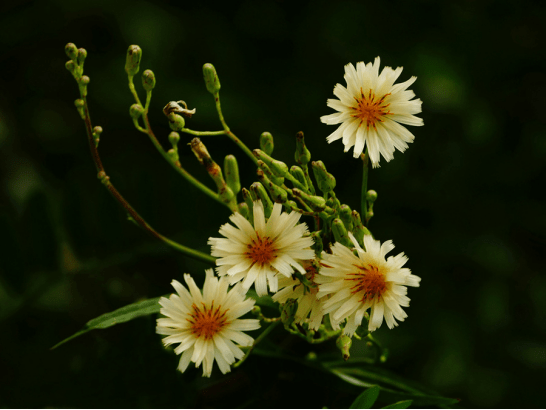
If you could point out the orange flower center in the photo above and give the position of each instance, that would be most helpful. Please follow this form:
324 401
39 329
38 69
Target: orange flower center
369 109
370 281
207 322
261 250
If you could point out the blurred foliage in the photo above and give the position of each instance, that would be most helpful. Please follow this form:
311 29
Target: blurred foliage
465 202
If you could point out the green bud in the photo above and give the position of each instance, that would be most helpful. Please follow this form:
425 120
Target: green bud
317 243
303 156
231 171
266 143
85 80
359 230
96 135
174 137
265 169
132 62
173 155
136 111
279 168
82 55
371 195
340 233
70 66
176 122
211 78
277 194
316 203
256 310
345 214
298 173
344 343
247 197
259 192
311 356
243 209
325 181
71 51
148 80
384 355
362 331
79 103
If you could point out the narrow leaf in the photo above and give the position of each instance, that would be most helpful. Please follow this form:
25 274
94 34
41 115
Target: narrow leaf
366 399
399 405
121 315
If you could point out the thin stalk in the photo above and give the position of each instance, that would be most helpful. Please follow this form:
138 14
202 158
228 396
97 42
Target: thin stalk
258 340
202 133
230 134
363 203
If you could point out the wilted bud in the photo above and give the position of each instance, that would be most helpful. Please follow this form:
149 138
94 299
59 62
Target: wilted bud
173 155
148 80
344 343
132 62
259 192
316 203
176 122
82 55
231 171
340 233
242 208
325 181
71 51
346 216
371 195
211 78
297 173
136 111
200 151
174 137
266 143
175 107
303 156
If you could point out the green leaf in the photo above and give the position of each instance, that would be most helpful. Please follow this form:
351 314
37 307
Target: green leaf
121 315
399 405
366 399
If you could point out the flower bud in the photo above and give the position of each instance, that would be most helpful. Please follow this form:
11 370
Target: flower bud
263 167
259 192
136 111
85 80
211 78
174 137
247 197
79 103
279 168
173 155
242 208
231 171
277 194
176 122
70 66
344 343
266 143
359 230
340 233
132 62
317 243
345 214
71 51
303 156
96 135
82 55
371 195
316 203
148 80
325 181
297 173
288 310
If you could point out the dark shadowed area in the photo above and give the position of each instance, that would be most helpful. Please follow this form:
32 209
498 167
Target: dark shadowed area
465 202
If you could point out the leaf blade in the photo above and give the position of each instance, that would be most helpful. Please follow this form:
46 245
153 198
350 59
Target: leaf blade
366 399
399 405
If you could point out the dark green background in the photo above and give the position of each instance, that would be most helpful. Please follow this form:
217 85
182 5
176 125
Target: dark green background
465 202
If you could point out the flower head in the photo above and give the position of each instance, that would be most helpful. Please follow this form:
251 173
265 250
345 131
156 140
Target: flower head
309 306
371 109
356 284
206 325
257 254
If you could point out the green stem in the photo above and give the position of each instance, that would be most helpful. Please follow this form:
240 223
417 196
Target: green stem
133 90
363 203
230 134
201 133
258 340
